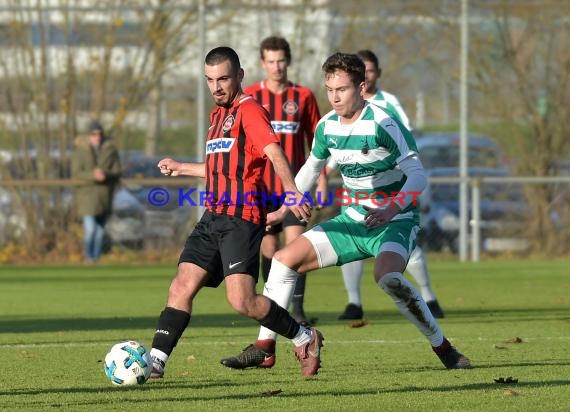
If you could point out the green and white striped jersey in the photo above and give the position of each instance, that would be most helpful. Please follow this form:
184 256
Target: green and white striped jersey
392 105
367 153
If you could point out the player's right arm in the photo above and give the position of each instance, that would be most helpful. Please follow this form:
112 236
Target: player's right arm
170 167
309 172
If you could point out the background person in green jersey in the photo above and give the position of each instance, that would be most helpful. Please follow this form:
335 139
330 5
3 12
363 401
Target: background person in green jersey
374 94
376 154
417 266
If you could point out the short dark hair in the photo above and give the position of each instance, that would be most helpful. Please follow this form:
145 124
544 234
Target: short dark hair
349 63
275 43
220 55
369 56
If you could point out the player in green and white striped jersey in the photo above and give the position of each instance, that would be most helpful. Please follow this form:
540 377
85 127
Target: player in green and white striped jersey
377 156
417 266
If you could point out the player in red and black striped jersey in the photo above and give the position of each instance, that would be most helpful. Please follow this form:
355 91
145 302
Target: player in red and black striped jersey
235 161
225 244
294 116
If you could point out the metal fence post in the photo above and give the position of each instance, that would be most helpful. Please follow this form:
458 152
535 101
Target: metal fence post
475 219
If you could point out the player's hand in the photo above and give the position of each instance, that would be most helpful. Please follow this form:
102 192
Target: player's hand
321 198
376 217
169 167
274 218
298 204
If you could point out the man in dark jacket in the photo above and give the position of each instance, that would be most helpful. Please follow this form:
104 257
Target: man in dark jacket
95 162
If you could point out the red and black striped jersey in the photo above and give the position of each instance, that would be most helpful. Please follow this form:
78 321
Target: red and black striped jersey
235 159
294 116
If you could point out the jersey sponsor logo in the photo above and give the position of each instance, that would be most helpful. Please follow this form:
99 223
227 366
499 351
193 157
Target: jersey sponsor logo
228 123
285 127
290 107
357 170
220 145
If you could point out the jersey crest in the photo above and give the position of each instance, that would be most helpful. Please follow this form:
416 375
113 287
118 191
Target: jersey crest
228 123
290 107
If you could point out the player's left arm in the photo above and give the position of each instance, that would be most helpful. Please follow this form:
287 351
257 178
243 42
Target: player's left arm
416 181
401 143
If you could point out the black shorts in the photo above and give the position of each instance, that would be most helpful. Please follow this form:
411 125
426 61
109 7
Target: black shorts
290 219
223 245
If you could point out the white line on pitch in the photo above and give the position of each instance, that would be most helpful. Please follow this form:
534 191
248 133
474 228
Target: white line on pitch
229 343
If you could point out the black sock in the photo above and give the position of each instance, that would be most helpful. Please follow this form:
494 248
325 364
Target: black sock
279 321
171 323
265 267
299 295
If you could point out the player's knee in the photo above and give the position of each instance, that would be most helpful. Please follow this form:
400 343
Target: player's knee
179 289
269 246
239 306
243 306
285 257
268 252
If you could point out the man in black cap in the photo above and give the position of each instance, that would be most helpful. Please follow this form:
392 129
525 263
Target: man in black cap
96 163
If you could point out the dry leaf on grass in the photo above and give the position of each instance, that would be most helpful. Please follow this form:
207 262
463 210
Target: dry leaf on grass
510 392
359 323
271 392
516 339
499 346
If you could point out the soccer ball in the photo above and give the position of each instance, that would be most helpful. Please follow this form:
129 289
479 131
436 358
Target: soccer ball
128 363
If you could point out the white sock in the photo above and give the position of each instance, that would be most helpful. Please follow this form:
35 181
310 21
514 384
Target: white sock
161 356
302 337
417 267
409 303
279 287
352 275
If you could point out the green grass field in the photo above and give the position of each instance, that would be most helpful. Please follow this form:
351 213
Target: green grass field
57 323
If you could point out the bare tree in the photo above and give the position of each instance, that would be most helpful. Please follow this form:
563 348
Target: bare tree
63 64
522 66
